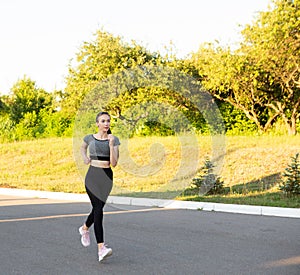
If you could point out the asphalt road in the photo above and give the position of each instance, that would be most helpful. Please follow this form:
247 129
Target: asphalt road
40 236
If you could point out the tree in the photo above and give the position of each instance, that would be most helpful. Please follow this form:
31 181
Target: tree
115 76
233 79
291 177
28 98
261 78
273 43
98 59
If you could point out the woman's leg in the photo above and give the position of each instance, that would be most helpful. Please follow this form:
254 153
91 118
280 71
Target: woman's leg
90 220
96 217
98 185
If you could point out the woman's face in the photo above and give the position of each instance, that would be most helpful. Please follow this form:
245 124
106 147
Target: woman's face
103 123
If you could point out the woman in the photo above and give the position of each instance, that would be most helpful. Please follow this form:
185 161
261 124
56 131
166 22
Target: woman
103 153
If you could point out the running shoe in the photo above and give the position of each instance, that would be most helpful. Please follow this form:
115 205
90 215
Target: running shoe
104 252
85 237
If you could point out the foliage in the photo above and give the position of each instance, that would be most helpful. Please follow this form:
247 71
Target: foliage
206 182
27 127
273 44
4 107
97 60
55 124
6 128
226 76
261 78
27 98
235 121
107 64
291 177
256 86
30 112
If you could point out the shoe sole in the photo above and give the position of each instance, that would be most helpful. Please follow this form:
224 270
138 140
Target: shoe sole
81 238
107 255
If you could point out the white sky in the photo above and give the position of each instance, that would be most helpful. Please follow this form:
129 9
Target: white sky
39 37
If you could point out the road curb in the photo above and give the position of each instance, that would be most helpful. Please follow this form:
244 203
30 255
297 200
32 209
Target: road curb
172 204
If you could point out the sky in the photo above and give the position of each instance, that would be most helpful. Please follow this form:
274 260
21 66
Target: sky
39 38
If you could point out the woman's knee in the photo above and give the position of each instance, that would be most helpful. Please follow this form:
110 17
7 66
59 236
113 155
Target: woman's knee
98 208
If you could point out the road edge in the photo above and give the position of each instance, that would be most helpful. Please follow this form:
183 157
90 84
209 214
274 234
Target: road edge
173 204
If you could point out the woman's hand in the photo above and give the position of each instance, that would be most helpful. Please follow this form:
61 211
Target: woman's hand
87 160
83 151
114 150
111 140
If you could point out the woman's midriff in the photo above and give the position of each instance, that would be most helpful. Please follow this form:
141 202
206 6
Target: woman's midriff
100 163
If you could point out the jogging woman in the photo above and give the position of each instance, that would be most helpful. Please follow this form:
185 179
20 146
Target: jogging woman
103 150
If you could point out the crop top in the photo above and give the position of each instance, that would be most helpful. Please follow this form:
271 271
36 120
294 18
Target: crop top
98 148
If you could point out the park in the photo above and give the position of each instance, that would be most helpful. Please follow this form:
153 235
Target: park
220 125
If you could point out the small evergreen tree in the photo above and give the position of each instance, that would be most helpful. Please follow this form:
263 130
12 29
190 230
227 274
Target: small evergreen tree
291 177
206 181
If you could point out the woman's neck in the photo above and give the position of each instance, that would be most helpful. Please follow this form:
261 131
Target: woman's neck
101 135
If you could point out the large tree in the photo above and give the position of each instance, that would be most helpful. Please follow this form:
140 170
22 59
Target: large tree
97 60
273 43
261 78
109 59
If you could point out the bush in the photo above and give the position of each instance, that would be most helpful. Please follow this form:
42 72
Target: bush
55 124
291 178
6 128
28 127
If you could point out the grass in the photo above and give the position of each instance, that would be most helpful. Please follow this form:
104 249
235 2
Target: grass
158 167
267 198
43 164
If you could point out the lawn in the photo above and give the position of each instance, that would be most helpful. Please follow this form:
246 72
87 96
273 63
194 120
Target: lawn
158 167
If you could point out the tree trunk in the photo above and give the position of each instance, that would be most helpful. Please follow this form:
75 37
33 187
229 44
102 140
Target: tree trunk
291 126
249 114
293 129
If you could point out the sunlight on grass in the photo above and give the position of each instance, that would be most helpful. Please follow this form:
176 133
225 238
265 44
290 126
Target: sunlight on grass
150 166
158 163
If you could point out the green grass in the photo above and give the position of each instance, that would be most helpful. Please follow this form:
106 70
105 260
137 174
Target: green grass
254 198
158 167
42 164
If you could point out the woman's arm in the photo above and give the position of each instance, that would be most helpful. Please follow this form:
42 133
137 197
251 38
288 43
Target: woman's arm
114 151
83 151
114 155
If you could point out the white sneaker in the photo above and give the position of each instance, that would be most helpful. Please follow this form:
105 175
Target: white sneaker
85 236
104 252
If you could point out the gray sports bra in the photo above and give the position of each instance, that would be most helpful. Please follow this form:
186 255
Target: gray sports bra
98 148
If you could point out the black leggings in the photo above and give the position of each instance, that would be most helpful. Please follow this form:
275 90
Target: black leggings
98 184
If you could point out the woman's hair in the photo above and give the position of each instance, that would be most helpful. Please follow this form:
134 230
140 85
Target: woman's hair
100 114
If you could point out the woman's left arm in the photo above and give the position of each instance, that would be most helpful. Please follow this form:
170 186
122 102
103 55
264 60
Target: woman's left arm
114 151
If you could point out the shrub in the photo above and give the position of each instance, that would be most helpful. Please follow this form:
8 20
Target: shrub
6 128
291 177
28 127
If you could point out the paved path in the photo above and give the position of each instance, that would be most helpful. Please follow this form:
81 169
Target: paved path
40 236
191 205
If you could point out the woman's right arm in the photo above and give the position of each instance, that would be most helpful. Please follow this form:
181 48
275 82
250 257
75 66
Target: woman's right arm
83 150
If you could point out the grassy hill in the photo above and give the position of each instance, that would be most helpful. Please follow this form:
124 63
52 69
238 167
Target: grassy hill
157 167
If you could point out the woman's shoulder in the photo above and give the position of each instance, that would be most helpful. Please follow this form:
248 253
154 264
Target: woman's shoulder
88 138
117 141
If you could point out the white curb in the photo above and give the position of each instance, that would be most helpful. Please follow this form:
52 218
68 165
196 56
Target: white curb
174 204
44 194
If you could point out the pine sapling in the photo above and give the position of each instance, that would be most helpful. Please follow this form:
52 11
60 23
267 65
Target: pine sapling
291 177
